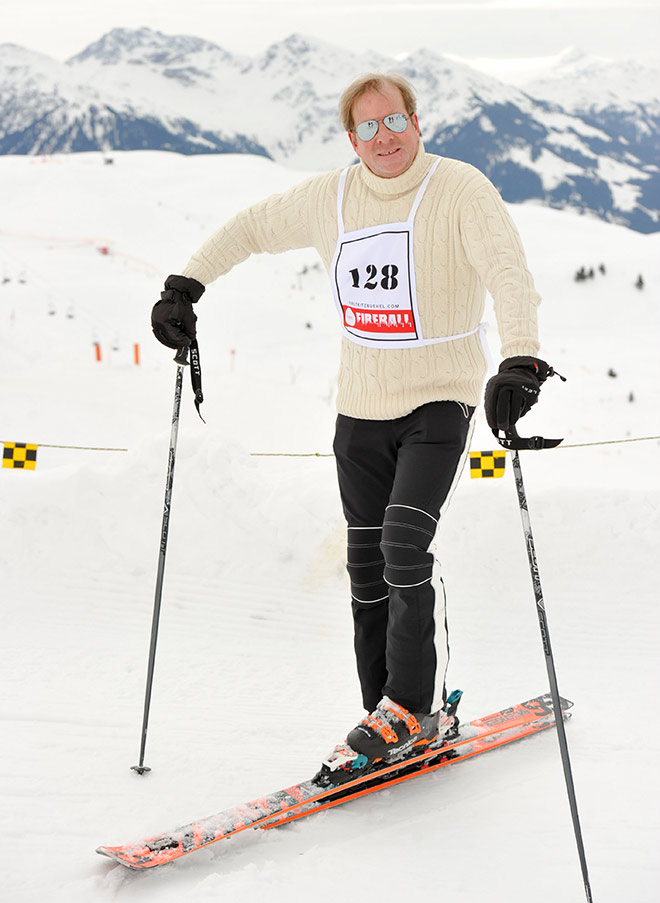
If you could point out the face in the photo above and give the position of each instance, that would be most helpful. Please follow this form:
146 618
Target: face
388 154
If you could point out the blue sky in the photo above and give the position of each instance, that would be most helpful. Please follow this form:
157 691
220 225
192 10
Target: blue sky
488 28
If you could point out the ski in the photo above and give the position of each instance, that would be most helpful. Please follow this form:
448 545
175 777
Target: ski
307 797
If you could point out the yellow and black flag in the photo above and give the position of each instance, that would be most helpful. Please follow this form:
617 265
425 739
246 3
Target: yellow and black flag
485 464
19 456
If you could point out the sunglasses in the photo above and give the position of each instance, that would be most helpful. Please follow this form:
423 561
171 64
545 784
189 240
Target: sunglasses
395 122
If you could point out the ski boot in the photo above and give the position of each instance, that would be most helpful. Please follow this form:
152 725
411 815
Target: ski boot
388 735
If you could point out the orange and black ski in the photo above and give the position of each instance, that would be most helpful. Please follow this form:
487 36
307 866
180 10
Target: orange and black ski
303 799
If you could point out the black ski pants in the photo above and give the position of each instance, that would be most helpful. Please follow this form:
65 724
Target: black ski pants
395 479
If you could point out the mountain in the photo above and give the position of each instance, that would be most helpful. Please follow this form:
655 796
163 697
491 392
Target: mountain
620 98
132 90
584 83
532 148
586 136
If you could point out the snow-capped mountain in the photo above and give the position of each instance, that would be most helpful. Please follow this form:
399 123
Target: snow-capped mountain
531 148
582 82
621 97
586 136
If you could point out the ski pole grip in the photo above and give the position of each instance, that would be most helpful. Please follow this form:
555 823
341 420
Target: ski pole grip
181 357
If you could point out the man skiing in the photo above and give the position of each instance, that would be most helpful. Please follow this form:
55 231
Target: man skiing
411 242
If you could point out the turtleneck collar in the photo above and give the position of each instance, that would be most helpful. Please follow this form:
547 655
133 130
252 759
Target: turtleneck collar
397 185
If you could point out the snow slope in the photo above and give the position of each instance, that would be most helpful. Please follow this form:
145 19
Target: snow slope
254 677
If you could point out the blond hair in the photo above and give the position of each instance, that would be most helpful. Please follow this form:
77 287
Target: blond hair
373 81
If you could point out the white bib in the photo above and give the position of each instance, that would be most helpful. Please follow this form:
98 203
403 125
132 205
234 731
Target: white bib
373 280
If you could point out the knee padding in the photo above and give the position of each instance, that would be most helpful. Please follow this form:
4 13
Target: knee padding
365 564
407 535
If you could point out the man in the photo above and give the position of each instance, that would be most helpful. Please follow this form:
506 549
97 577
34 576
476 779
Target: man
411 242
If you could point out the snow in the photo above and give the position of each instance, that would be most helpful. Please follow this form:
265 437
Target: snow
551 168
564 128
616 174
254 677
516 70
581 81
575 79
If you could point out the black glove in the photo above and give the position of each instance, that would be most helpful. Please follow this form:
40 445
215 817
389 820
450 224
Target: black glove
172 318
513 390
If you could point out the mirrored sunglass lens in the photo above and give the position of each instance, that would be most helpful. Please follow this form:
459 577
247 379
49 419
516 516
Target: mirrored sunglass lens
397 122
367 130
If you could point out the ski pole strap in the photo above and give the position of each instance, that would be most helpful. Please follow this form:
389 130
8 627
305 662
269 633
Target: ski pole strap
514 442
181 359
196 376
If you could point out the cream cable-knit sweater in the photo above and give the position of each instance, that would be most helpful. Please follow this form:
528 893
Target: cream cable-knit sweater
464 243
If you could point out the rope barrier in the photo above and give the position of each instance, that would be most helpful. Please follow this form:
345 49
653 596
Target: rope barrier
291 455
77 447
610 442
330 455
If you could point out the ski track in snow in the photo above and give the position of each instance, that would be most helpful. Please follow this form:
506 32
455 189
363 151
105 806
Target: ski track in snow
254 678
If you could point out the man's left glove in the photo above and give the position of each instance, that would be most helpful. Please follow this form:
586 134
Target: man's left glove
513 390
172 318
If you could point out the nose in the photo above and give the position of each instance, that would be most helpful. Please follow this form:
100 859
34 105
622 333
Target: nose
383 132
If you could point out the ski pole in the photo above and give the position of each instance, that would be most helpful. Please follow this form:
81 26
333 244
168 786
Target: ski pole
181 361
515 442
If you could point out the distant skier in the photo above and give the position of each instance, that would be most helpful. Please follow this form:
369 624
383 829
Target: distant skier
412 242
640 282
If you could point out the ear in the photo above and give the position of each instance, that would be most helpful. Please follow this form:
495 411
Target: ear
415 122
353 140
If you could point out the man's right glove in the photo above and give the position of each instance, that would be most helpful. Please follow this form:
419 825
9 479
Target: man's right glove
513 390
172 318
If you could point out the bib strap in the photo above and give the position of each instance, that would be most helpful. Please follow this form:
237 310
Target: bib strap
341 188
422 189
481 329
340 200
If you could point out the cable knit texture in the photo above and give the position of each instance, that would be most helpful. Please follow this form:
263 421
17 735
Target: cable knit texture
464 244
